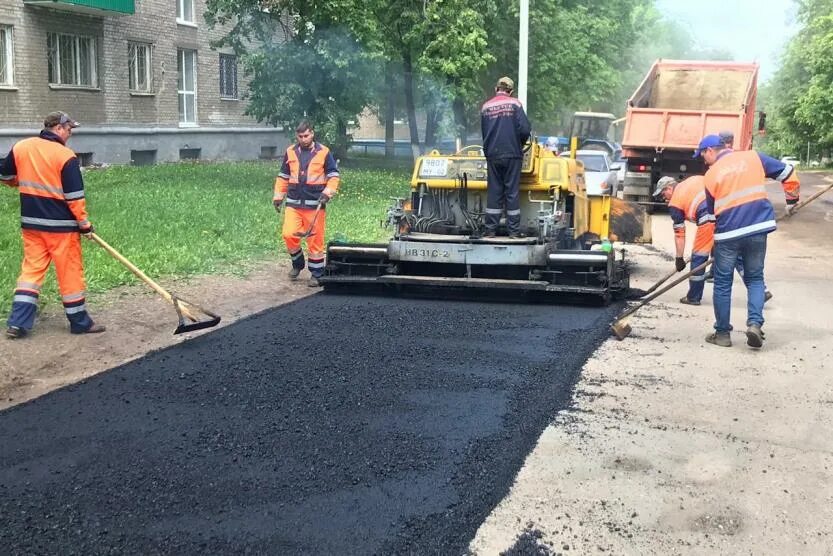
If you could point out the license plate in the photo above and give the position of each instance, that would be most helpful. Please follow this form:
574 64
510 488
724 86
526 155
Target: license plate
434 168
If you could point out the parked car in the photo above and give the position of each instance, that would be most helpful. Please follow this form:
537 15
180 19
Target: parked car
791 160
601 177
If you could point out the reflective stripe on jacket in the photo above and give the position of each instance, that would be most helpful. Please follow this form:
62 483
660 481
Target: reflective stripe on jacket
736 195
305 175
50 185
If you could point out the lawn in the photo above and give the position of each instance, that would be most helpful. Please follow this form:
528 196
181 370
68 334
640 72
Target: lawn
195 218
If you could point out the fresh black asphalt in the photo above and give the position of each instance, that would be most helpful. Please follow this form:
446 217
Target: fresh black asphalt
332 425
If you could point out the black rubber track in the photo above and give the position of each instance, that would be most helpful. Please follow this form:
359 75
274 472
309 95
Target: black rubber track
332 425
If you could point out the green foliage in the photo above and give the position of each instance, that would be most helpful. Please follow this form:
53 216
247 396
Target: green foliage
800 98
185 219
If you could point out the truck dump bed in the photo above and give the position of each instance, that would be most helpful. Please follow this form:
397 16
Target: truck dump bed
679 102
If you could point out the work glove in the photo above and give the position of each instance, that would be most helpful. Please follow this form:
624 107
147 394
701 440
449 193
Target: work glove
277 205
87 230
323 199
791 204
679 263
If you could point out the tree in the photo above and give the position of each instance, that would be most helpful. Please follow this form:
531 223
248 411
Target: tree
307 65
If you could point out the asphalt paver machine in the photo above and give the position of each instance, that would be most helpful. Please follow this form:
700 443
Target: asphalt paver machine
568 245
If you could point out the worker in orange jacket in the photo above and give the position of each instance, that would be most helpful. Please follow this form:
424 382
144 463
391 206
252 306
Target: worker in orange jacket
53 215
687 201
307 181
737 198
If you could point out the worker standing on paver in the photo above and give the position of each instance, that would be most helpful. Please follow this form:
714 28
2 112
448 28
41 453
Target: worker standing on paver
307 181
737 199
53 215
505 129
687 201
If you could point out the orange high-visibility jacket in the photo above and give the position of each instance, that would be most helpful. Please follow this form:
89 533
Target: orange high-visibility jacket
736 193
50 184
688 202
305 175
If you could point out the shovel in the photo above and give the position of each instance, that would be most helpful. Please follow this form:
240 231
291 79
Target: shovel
309 232
185 310
622 329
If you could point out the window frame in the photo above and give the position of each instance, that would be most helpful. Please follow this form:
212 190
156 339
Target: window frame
133 72
180 13
54 65
224 93
7 44
182 93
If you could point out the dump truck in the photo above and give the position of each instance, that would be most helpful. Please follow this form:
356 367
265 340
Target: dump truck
676 104
438 242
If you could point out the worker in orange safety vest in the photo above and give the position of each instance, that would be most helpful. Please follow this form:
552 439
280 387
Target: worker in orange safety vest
737 198
307 181
53 215
687 202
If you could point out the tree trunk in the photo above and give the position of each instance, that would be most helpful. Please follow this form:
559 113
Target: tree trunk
460 123
432 116
390 115
409 103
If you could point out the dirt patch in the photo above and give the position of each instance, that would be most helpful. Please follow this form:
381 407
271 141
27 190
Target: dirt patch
138 322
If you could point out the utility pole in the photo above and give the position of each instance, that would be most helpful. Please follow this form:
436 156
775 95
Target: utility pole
523 52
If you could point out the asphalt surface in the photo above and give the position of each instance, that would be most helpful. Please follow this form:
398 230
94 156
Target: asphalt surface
334 424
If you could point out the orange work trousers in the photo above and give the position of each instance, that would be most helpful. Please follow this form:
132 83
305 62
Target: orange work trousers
300 220
39 250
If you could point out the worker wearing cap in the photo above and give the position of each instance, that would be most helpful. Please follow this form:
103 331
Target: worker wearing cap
308 179
687 201
505 129
53 215
737 199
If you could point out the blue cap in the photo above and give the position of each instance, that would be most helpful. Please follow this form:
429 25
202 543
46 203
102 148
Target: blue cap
707 142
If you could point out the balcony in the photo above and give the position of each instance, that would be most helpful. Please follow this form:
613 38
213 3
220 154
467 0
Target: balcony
92 7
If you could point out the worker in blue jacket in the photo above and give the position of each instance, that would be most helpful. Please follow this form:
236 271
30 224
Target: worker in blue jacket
505 129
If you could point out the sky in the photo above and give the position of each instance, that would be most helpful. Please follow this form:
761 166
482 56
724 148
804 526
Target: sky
752 30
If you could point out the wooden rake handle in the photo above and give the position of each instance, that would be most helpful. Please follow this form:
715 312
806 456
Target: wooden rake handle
132 268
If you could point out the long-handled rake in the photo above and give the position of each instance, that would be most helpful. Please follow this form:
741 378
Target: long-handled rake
622 329
185 310
309 232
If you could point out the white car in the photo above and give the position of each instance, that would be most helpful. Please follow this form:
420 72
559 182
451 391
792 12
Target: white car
601 177
791 160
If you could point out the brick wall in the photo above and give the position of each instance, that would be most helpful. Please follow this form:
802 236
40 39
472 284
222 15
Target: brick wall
112 104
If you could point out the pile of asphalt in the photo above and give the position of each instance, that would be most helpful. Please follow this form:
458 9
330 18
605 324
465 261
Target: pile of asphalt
334 424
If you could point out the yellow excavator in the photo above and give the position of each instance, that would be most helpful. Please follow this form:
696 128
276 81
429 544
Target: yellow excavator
568 244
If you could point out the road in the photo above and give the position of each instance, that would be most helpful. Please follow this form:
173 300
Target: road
333 424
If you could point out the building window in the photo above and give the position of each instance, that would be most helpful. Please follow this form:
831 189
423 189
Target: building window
84 159
72 60
6 56
187 86
228 76
189 154
268 152
139 67
143 158
185 11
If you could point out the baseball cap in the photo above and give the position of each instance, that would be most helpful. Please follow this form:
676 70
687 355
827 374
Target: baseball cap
665 181
708 142
506 82
58 118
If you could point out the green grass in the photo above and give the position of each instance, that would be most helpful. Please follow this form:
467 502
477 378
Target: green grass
186 219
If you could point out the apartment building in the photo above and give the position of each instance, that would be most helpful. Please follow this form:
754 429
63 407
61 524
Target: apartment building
140 76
